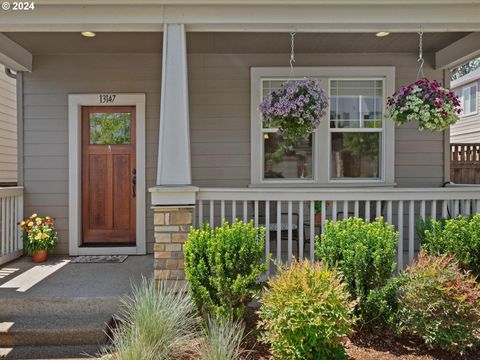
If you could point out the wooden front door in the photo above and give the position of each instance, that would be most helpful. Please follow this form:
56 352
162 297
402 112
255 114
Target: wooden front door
108 175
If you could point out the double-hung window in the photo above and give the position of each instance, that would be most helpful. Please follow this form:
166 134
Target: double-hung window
353 144
356 128
469 100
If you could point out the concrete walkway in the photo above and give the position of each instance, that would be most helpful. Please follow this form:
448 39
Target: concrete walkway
60 309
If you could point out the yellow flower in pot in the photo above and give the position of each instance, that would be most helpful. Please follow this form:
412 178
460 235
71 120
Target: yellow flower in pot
39 236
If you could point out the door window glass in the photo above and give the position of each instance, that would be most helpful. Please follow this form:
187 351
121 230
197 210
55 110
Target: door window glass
110 128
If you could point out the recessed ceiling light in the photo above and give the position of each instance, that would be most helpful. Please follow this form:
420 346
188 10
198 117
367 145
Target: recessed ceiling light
382 33
88 33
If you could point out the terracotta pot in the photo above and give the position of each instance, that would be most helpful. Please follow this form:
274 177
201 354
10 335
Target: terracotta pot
40 256
318 218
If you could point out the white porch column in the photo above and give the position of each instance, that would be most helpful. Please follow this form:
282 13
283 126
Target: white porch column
174 169
173 198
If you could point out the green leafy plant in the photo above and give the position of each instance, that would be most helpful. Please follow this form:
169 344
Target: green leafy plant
459 236
38 234
223 266
440 303
222 340
363 251
380 307
158 323
306 313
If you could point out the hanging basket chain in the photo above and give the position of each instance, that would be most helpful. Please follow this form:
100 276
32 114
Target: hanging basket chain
420 56
292 54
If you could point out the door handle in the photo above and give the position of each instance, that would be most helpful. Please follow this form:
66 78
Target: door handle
134 182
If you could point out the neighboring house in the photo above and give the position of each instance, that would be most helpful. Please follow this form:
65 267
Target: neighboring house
8 129
160 109
467 130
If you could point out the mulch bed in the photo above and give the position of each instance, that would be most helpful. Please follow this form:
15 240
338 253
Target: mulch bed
364 345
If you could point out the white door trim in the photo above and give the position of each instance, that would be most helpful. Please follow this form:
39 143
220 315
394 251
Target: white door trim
75 103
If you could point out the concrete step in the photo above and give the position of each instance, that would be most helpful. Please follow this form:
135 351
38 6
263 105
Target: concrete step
75 329
71 352
58 305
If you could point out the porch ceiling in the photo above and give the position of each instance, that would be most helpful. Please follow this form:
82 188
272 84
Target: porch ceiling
231 42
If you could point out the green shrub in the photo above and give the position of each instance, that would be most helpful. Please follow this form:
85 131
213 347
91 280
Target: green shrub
363 251
440 303
158 323
460 236
306 313
223 265
380 307
222 340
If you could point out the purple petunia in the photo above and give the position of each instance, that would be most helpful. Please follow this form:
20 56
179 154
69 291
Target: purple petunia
296 107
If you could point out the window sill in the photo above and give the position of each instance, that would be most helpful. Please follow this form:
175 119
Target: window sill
344 184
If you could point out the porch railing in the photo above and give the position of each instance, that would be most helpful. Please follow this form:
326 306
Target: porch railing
288 215
11 212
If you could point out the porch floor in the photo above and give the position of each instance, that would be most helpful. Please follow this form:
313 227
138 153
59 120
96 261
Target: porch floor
58 277
59 309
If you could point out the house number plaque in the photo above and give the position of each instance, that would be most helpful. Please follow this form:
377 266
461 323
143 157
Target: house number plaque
107 98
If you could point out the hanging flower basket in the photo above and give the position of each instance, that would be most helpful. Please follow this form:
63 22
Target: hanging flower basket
434 107
295 109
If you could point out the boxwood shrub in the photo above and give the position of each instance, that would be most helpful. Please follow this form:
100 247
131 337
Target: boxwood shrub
363 251
223 266
459 236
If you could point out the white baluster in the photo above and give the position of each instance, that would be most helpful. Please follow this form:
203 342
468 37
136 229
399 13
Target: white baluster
267 232
422 209
212 222
434 210
378 210
312 227
300 230
279 231
356 209
245 211
222 211
400 237
289 231
334 210
345 209
411 231
256 212
389 212
367 210
234 211
200 212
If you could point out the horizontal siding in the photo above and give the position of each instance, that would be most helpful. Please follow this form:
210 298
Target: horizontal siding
46 92
8 128
219 93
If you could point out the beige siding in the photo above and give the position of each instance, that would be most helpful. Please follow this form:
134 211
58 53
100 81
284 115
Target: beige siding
220 116
8 128
46 92
467 130
219 119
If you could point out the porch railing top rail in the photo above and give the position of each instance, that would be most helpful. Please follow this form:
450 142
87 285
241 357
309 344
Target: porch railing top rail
11 191
351 194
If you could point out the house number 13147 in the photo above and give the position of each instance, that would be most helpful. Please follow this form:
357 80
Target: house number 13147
107 98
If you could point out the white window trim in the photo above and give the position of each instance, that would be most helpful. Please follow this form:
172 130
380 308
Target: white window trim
75 103
475 112
322 150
